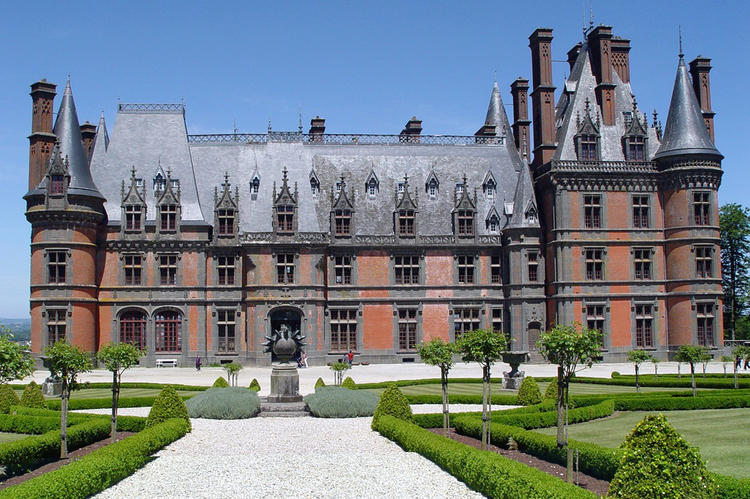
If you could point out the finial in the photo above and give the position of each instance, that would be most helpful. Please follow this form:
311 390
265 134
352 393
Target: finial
226 177
299 113
656 115
464 178
406 179
269 125
132 171
679 34
495 73
523 150
235 126
342 181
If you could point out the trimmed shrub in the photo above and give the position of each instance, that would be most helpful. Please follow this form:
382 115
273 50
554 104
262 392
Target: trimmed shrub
680 403
349 383
224 403
220 383
728 487
393 403
32 396
31 425
106 403
528 393
658 462
497 399
8 398
319 383
340 402
254 385
551 391
167 405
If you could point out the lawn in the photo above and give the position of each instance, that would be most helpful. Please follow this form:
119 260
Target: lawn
9 437
95 393
722 435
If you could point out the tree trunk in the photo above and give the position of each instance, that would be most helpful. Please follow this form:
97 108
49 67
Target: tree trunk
735 374
656 371
115 401
704 370
64 420
489 406
692 377
444 383
560 409
637 387
679 371
724 365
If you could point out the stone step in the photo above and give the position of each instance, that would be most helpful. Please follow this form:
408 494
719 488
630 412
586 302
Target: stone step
287 414
283 406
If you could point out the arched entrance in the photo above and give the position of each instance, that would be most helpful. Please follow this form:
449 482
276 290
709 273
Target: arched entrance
292 317
533 334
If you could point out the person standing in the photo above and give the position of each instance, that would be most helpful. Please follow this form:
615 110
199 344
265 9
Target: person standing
350 357
304 358
198 363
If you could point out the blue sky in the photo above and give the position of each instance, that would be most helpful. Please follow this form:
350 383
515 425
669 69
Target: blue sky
365 67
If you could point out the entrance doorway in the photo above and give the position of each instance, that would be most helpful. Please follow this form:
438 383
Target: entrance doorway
292 317
533 333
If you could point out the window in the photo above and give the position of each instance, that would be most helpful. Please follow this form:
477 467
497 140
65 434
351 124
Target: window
226 221
587 145
400 187
343 330
285 268
592 212
56 264
168 217
497 321
636 148
167 326
342 222
159 183
495 275
342 267
705 330
132 217
406 269
595 317
372 187
406 223
533 266
703 260
432 188
701 207
133 328
465 320
640 212
493 224
168 269
465 269
644 337
491 188
642 263
459 189
225 270
55 325
254 187
132 265
465 219
314 187
56 184
225 326
407 328
338 187
285 217
594 264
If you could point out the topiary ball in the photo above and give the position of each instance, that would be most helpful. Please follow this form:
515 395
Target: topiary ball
167 405
658 462
8 398
349 383
551 391
220 383
528 393
319 383
32 397
224 403
393 403
254 385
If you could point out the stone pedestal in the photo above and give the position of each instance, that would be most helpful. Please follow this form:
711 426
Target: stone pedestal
284 384
513 382
52 388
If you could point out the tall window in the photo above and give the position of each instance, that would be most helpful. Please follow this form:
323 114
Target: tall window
594 264
595 317
588 147
285 268
55 325
372 187
705 318
254 188
168 269
285 217
642 263
495 275
343 330
592 212
636 148
56 263
497 321
56 184
167 327
533 266
703 260
314 187
493 224
225 325
464 320
225 270
407 329
342 267
644 337
132 217
168 217
406 269
465 219
406 222
226 221
701 208
133 269
640 212
133 328
465 269
432 188
491 188
342 222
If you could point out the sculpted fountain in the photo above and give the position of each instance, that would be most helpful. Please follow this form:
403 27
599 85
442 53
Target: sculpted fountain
284 377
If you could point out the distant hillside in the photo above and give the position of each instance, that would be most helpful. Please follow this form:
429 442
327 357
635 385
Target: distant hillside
21 328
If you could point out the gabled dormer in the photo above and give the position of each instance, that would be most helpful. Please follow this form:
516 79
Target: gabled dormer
405 214
372 184
432 185
285 208
635 138
159 182
168 209
254 184
314 184
587 136
464 211
57 177
342 211
489 185
133 205
492 221
226 211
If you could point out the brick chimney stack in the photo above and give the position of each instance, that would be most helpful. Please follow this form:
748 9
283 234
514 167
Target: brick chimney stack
88 135
41 140
600 41
700 67
519 90
621 58
412 130
573 55
543 96
317 129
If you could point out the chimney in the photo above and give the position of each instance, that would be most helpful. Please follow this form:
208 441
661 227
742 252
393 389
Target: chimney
543 96
317 129
600 41
41 140
519 90
411 131
573 55
700 67
621 58
88 135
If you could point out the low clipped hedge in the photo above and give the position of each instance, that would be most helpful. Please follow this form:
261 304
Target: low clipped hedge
339 402
436 420
680 403
666 382
156 386
728 487
488 473
428 381
124 423
102 468
533 420
224 403
106 402
498 399
31 425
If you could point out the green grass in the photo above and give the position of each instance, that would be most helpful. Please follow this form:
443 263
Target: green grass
95 393
9 437
722 435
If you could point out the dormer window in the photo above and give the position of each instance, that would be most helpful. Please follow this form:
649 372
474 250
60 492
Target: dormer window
314 187
459 189
490 188
285 217
587 138
159 183
634 140
342 222
337 187
531 216
636 148
226 222
133 217
139 183
432 188
465 223
400 187
175 183
168 217
493 224
587 147
254 187
56 184
406 223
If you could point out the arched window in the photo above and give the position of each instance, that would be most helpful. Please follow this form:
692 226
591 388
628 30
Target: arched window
133 328
167 328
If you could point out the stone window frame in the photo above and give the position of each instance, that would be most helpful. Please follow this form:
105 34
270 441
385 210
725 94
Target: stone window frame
601 215
234 313
650 253
496 316
704 253
294 263
496 268
137 209
599 302
635 140
221 221
420 267
234 267
124 266
68 266
432 188
407 309
457 267
405 215
585 260
533 263
178 267
634 207
345 215
352 269
464 214
356 312
118 322
586 139
701 209
457 314
634 316
182 338
160 217
700 312
67 312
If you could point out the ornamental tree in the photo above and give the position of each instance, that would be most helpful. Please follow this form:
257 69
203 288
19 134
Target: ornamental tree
233 372
117 358
437 352
637 357
66 362
691 355
15 360
655 361
485 347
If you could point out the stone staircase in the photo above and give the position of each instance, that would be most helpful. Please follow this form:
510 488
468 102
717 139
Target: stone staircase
282 409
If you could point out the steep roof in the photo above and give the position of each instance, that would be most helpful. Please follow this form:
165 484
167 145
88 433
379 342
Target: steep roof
524 200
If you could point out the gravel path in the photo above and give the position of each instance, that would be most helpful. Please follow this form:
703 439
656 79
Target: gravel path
287 457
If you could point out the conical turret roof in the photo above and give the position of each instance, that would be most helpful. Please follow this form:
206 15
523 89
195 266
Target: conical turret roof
685 132
524 200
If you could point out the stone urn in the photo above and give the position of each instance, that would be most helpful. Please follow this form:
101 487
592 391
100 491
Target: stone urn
512 379
284 348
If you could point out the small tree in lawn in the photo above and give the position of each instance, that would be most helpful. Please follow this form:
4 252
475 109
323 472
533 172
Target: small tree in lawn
338 369
15 360
233 372
726 359
117 358
637 357
705 359
691 355
66 362
485 347
437 352
655 361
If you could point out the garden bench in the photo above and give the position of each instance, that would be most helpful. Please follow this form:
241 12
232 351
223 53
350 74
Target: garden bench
166 362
